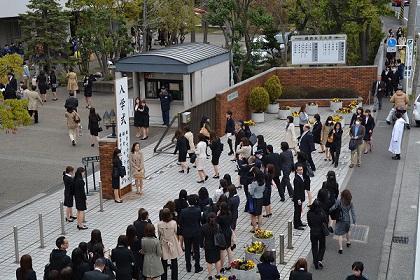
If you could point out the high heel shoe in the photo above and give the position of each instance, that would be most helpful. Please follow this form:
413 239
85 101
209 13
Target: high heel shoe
73 217
188 170
216 176
69 220
118 201
202 181
181 171
206 178
82 228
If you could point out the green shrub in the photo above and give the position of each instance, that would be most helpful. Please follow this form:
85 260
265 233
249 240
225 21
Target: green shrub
258 100
294 92
273 87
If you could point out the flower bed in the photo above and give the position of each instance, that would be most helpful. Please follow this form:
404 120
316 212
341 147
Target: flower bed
319 102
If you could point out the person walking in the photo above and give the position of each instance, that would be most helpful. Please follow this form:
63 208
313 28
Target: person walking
88 85
80 197
325 131
369 124
72 85
378 90
68 193
230 131
332 190
145 117
300 271
93 126
165 104
306 144
137 166
205 130
201 156
256 191
224 220
298 197
357 272
53 84
123 259
211 251
137 117
118 172
286 167
42 81
359 114
190 137
337 135
152 264
25 270
216 150
182 145
316 218
399 99
303 118
290 136
73 119
26 75
275 160
342 225
33 98
316 132
386 78
396 137
357 132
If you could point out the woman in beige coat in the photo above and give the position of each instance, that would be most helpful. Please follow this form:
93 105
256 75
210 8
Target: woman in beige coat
137 166
171 250
326 128
190 138
73 119
290 136
72 82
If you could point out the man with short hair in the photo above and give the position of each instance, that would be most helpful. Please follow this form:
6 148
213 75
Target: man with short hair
230 130
71 101
97 274
306 144
58 257
33 98
357 268
357 132
298 197
11 87
165 104
275 160
378 90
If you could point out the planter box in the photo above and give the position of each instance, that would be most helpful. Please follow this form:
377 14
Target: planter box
245 274
270 242
284 113
312 110
346 118
334 106
273 108
258 117
253 257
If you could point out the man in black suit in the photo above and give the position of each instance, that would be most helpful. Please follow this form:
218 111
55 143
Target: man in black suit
97 274
190 223
378 91
306 144
298 197
11 87
239 134
274 159
246 174
71 102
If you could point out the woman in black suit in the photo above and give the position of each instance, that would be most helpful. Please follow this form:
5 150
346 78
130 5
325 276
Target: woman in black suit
93 126
216 150
335 148
135 247
78 265
182 146
117 172
137 117
369 123
224 219
211 251
68 193
359 113
316 217
233 203
300 271
144 124
80 197
316 132
123 258
25 271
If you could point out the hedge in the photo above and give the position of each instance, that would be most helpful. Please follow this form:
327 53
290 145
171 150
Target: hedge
295 92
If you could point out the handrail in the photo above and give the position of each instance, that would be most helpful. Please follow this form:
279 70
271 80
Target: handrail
156 150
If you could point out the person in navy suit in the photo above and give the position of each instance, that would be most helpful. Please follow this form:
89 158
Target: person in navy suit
306 144
266 269
97 274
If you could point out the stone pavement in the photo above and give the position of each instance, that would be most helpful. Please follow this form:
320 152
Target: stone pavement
163 184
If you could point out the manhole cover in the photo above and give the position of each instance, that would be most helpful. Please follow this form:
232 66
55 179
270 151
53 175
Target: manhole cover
400 239
358 233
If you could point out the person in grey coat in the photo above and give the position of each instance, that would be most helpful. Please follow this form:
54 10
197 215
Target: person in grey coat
342 224
152 265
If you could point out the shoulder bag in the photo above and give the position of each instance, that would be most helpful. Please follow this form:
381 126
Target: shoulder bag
253 139
309 171
325 229
76 118
250 204
219 238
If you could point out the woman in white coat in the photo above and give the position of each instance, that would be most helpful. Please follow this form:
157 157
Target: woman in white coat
201 156
396 138
290 136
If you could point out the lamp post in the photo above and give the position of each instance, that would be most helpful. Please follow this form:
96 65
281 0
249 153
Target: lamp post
109 120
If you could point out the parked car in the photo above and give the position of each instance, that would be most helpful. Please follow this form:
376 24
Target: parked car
260 52
416 111
398 2
288 36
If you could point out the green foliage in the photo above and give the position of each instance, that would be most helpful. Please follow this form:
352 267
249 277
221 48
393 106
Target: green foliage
258 100
273 87
13 113
296 92
10 63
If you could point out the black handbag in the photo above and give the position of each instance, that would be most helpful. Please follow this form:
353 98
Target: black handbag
193 157
325 229
252 139
309 171
219 239
352 145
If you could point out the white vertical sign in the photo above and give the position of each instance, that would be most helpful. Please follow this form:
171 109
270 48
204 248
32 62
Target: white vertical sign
123 126
409 58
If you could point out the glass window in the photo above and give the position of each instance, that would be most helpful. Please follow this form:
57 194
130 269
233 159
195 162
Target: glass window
175 88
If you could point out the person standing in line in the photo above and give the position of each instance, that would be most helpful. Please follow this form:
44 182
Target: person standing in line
26 75
80 197
332 190
25 270
386 73
201 156
337 133
95 238
135 246
266 269
342 224
358 114
216 150
239 135
298 197
165 104
316 132
68 193
268 176
224 219
369 124
233 203
286 167
396 137
33 99
96 273
378 90
72 85
78 264
152 264
306 144
395 77
230 131
316 217
256 190
58 257
118 172
73 119
275 160
88 85
182 146
399 99
211 251
190 137
290 136
137 166
123 259
261 145
300 271
325 131
303 118
144 124
357 132
93 126
137 117
54 85
42 81
357 269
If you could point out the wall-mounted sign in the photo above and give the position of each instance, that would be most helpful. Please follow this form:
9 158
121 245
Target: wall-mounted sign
232 96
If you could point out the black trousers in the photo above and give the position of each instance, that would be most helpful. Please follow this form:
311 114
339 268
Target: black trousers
335 156
35 114
297 222
230 145
311 162
285 182
318 248
174 269
280 188
196 242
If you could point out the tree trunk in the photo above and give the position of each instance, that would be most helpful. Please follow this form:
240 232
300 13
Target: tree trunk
364 38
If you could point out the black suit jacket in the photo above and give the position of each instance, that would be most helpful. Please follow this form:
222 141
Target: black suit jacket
95 275
299 189
73 102
300 274
274 159
140 226
123 258
379 90
369 124
286 161
306 144
10 90
190 222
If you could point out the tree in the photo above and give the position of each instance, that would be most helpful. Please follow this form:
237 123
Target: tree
45 28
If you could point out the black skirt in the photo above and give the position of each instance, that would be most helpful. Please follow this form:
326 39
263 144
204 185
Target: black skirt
68 200
116 183
258 205
267 196
212 255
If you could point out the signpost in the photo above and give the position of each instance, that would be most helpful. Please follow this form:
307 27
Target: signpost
409 64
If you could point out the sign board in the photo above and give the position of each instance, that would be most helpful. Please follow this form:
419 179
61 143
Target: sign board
232 96
391 42
86 160
131 107
391 49
319 49
123 126
409 58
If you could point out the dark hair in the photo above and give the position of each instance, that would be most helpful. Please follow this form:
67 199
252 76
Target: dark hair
131 233
115 157
149 230
317 117
290 118
224 208
76 257
203 121
66 273
267 257
42 72
24 86
211 220
258 176
300 264
271 170
302 157
358 266
398 115
213 135
232 191
171 206
83 246
228 179
192 199
166 215
201 137
331 179
329 118
33 87
203 193
96 236
187 129
144 215
60 241
78 174
134 146
141 210
229 112
122 240
179 133
270 148
25 265
346 197
338 123
70 109
361 109
223 184
92 115
222 198
299 165
245 141
54 275
359 119
260 139
367 111
284 146
68 170
98 249
137 98
182 194
302 108
315 206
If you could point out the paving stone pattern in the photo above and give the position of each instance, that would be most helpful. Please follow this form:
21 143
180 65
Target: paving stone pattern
163 184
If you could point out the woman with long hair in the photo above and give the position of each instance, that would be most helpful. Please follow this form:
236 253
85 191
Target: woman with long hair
256 190
135 247
68 193
190 137
88 84
123 259
137 166
337 132
290 136
93 126
224 219
216 150
137 117
303 118
325 131
182 145
316 132
317 217
211 251
54 85
80 197
267 190
152 264
144 125
78 264
117 172
205 130
332 190
358 114
42 81
201 156
261 145
342 224
181 203
95 238
300 271
369 123
25 270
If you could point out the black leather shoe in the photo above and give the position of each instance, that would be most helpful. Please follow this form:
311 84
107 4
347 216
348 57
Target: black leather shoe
206 178
198 270
282 199
300 228
388 122
230 153
188 269
396 158
303 225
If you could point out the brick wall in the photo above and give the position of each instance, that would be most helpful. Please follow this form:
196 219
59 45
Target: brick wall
359 78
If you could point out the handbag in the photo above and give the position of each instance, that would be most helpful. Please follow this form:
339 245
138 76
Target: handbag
330 138
123 172
252 139
250 205
219 238
325 229
352 145
76 118
193 157
100 129
337 214
309 171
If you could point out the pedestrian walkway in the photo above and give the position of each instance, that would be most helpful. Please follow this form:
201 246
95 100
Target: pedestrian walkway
163 184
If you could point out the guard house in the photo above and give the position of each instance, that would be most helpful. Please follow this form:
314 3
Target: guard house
193 73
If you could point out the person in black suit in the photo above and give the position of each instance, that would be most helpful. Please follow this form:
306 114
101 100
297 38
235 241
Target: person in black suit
369 123
140 225
190 223
298 197
300 271
286 166
78 264
266 269
123 258
71 102
316 217
25 271
239 133
246 174
233 203
80 197
386 73
97 274
395 78
216 150
306 144
378 91
337 133
11 87
68 193
274 159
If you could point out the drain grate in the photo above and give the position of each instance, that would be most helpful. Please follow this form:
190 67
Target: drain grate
400 239
358 233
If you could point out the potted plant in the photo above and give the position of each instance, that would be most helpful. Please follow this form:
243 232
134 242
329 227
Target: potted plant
284 111
254 251
335 104
337 118
258 102
356 103
274 90
244 270
265 236
250 123
312 108
346 113
232 277
295 116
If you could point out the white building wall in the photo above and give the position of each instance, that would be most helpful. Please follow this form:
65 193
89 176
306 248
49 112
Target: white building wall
12 8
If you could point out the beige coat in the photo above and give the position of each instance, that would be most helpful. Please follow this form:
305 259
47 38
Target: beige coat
190 138
324 133
33 98
399 99
72 82
167 235
71 124
137 165
290 136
